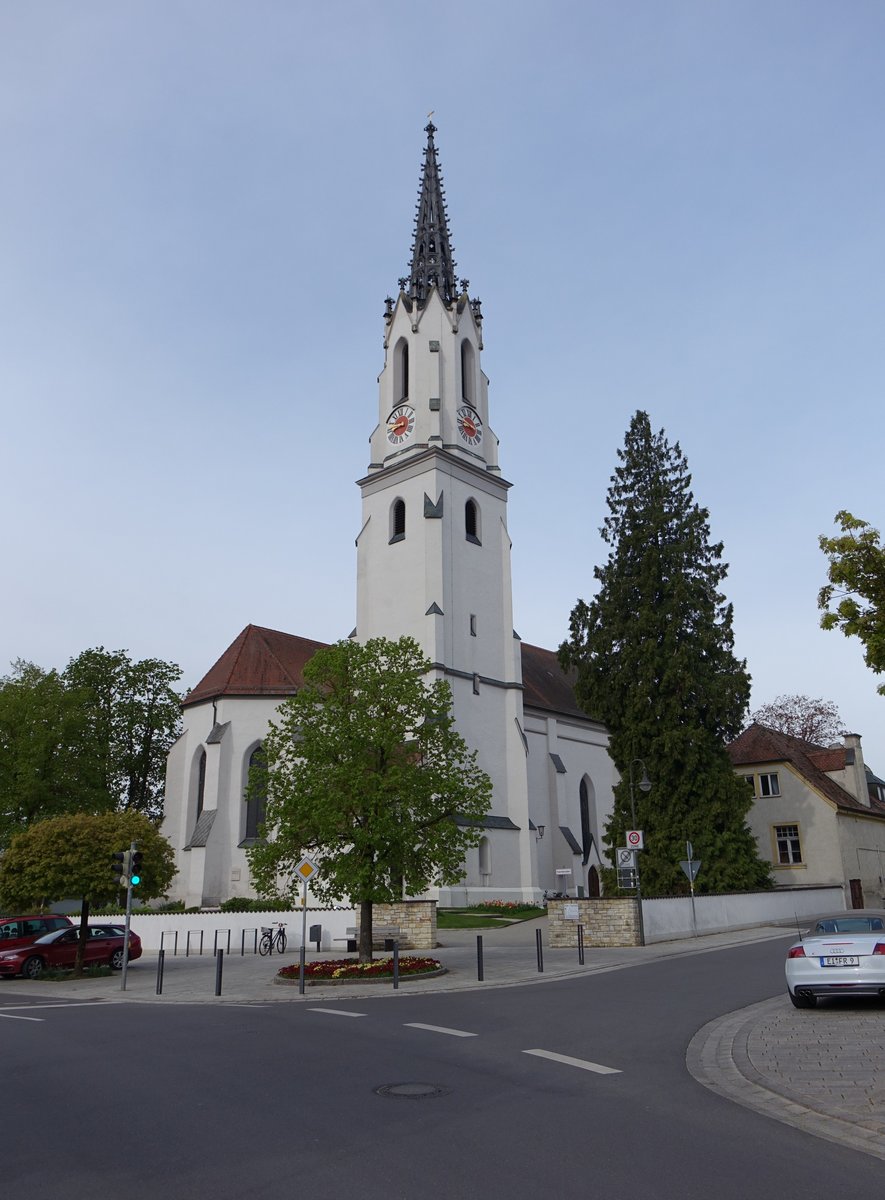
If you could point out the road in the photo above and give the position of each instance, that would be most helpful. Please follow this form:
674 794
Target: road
578 1086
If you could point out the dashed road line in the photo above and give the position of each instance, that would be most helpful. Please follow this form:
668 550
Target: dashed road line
337 1012
597 1068
439 1029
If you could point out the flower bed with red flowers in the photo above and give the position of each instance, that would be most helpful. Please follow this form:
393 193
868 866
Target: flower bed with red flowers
336 970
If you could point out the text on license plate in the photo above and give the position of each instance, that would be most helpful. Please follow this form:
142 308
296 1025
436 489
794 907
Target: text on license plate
840 960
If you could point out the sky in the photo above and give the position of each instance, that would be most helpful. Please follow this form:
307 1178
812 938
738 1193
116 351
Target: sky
668 205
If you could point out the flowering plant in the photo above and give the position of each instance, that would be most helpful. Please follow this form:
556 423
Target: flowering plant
499 904
348 968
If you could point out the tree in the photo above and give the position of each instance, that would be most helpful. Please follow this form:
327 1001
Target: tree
654 657
815 721
366 773
72 855
856 572
134 716
46 764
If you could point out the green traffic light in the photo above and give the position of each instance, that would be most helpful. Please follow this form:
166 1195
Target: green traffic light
135 880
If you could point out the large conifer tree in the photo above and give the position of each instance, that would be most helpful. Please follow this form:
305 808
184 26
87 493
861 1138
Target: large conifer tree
655 661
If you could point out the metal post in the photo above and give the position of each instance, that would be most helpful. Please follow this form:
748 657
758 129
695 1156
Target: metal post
161 962
132 848
539 949
395 964
301 970
219 967
581 944
303 939
479 969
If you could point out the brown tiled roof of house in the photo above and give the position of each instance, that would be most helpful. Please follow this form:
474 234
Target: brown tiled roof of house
266 662
831 759
260 662
758 745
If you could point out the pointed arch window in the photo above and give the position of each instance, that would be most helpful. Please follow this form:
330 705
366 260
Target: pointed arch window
586 828
256 795
485 861
397 521
201 782
471 522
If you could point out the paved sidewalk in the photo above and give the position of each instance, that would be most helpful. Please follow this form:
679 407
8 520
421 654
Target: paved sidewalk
821 1070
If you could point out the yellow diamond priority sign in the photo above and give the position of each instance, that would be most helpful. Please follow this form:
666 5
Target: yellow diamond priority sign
306 869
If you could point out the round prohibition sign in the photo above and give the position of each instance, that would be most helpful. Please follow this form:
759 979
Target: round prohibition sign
634 839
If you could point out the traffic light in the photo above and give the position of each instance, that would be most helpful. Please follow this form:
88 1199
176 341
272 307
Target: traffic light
121 865
135 858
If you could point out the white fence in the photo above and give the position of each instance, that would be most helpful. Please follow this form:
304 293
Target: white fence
671 917
234 933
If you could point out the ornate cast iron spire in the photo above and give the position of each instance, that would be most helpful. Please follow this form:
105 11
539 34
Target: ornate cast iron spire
432 261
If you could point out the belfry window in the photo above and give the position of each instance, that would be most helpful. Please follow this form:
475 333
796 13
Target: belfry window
401 370
468 373
397 521
471 522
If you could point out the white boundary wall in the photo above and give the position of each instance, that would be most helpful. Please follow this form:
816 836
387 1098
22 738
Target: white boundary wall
157 928
670 917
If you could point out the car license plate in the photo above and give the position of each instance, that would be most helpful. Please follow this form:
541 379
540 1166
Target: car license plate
840 960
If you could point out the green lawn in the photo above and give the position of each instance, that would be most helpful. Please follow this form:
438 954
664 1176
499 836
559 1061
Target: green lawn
479 917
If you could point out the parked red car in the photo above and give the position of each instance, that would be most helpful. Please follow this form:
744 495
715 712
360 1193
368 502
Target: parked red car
59 950
24 931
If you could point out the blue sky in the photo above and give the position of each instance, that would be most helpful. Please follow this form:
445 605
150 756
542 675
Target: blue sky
673 205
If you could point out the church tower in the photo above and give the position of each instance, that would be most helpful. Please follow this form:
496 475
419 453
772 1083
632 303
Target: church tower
433 553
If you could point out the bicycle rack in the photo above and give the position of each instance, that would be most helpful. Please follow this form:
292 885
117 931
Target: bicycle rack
215 942
254 932
174 933
187 950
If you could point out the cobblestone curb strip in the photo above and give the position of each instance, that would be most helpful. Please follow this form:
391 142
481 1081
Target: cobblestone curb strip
780 1062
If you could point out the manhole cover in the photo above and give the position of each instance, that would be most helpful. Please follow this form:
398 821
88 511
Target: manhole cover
412 1091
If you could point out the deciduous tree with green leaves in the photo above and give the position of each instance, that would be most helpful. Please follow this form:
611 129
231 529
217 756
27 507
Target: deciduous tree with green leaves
654 655
366 773
856 590
72 855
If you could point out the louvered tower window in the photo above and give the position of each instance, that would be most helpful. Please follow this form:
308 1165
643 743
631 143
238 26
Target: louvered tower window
398 521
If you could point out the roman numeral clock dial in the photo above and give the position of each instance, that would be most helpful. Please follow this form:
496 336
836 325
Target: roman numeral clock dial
469 425
400 425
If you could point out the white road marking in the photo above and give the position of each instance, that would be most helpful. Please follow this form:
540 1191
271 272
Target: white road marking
337 1012
439 1029
10 1017
574 1062
59 1004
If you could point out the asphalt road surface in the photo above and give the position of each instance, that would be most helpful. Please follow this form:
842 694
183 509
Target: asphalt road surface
576 1087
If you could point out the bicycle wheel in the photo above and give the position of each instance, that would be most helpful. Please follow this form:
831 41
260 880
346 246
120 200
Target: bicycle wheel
265 945
281 942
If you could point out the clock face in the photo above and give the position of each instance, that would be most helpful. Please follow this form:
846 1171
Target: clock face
469 425
400 424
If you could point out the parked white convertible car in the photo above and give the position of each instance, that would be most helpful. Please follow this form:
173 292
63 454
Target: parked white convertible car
842 955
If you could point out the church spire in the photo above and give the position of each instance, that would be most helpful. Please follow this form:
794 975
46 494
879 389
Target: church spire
432 261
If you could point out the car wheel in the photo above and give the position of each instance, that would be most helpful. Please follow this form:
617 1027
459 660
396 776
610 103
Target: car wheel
117 959
32 968
803 1001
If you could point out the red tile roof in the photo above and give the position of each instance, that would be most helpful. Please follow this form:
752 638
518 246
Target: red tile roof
266 662
260 662
758 745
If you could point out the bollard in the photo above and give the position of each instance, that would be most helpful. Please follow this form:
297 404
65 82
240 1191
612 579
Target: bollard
581 944
539 949
479 971
395 965
160 964
219 967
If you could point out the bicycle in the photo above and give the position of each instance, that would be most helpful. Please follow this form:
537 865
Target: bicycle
271 939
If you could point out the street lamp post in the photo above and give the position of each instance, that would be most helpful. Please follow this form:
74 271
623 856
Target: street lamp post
644 786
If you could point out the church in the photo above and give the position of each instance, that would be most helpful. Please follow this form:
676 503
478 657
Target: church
433 562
